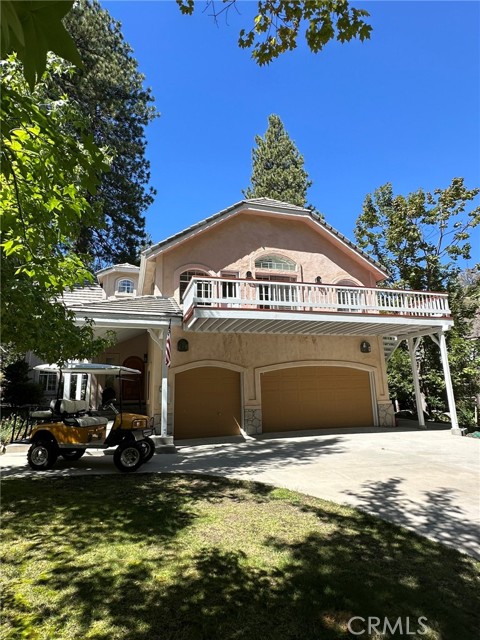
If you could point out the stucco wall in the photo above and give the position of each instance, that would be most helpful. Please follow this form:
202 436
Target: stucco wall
235 244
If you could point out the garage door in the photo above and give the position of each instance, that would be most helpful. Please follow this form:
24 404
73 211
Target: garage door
207 403
316 398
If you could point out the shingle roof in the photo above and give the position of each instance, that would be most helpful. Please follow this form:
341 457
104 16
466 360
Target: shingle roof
141 305
267 203
91 292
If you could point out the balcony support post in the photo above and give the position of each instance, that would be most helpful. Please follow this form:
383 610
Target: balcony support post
439 340
413 344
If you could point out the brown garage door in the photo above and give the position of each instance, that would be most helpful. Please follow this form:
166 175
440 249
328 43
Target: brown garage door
316 398
207 403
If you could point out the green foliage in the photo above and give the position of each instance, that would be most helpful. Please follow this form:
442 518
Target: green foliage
277 170
46 176
17 388
278 24
420 239
109 95
31 28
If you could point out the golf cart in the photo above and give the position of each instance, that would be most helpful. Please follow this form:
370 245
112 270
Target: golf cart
69 427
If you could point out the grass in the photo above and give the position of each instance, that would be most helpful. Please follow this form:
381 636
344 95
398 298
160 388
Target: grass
168 557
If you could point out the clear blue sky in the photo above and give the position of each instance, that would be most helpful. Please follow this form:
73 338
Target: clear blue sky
403 107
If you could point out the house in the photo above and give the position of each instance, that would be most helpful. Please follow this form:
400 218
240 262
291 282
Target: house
273 321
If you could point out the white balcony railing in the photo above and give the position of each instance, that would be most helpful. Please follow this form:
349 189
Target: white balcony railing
225 293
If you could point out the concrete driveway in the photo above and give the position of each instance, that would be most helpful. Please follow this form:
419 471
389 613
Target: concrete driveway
427 481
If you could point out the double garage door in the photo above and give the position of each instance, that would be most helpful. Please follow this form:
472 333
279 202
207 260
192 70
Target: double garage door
208 400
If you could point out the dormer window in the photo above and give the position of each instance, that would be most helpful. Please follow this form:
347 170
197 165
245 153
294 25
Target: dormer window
275 263
125 286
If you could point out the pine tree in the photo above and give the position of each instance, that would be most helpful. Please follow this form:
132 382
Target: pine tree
109 94
278 170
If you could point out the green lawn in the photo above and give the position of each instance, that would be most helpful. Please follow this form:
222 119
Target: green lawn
163 557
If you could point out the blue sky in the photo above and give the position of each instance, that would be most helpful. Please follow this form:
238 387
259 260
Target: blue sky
403 107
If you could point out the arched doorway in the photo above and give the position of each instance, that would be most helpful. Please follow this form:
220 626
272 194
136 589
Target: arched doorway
134 388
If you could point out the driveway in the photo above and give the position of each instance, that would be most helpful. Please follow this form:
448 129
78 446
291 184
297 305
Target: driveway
427 481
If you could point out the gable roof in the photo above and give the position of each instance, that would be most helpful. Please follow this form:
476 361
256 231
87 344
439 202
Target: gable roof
124 267
268 205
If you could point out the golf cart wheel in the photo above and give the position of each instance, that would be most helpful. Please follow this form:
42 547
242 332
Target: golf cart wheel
128 457
42 455
147 447
72 454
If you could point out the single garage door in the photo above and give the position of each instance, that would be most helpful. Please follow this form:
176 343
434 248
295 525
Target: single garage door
207 403
316 398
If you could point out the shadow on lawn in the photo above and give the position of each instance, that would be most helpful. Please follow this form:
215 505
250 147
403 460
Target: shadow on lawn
438 516
350 564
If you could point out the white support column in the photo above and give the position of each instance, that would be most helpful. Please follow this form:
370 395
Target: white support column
78 388
160 342
413 344
164 398
439 340
67 377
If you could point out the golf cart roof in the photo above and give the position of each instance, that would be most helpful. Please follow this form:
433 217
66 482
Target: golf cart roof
88 367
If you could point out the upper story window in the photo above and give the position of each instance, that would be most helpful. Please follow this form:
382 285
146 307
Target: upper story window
185 278
125 286
276 263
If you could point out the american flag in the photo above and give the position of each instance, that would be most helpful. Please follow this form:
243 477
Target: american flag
168 347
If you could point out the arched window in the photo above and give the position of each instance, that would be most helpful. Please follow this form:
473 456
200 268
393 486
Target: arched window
185 278
125 286
276 263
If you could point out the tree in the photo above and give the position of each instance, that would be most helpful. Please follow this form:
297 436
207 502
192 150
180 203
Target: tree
17 387
46 176
31 29
277 170
420 239
109 94
278 24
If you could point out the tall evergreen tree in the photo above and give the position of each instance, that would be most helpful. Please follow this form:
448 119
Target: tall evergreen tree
278 170
110 95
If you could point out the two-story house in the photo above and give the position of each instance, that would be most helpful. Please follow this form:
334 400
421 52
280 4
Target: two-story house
276 324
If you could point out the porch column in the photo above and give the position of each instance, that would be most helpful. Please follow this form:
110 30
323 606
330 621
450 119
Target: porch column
78 388
439 340
162 388
67 377
413 344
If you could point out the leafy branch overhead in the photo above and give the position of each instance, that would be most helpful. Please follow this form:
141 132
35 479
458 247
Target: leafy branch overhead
32 28
279 23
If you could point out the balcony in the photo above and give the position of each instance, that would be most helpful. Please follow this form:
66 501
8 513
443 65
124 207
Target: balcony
258 306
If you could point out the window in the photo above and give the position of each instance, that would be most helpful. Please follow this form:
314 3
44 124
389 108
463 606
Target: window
278 263
203 288
48 382
125 286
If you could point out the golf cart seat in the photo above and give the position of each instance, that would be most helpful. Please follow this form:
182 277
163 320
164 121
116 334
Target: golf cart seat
48 414
74 414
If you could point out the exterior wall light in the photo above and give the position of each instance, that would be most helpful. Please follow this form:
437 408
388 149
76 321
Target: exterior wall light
249 274
365 347
318 279
182 345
